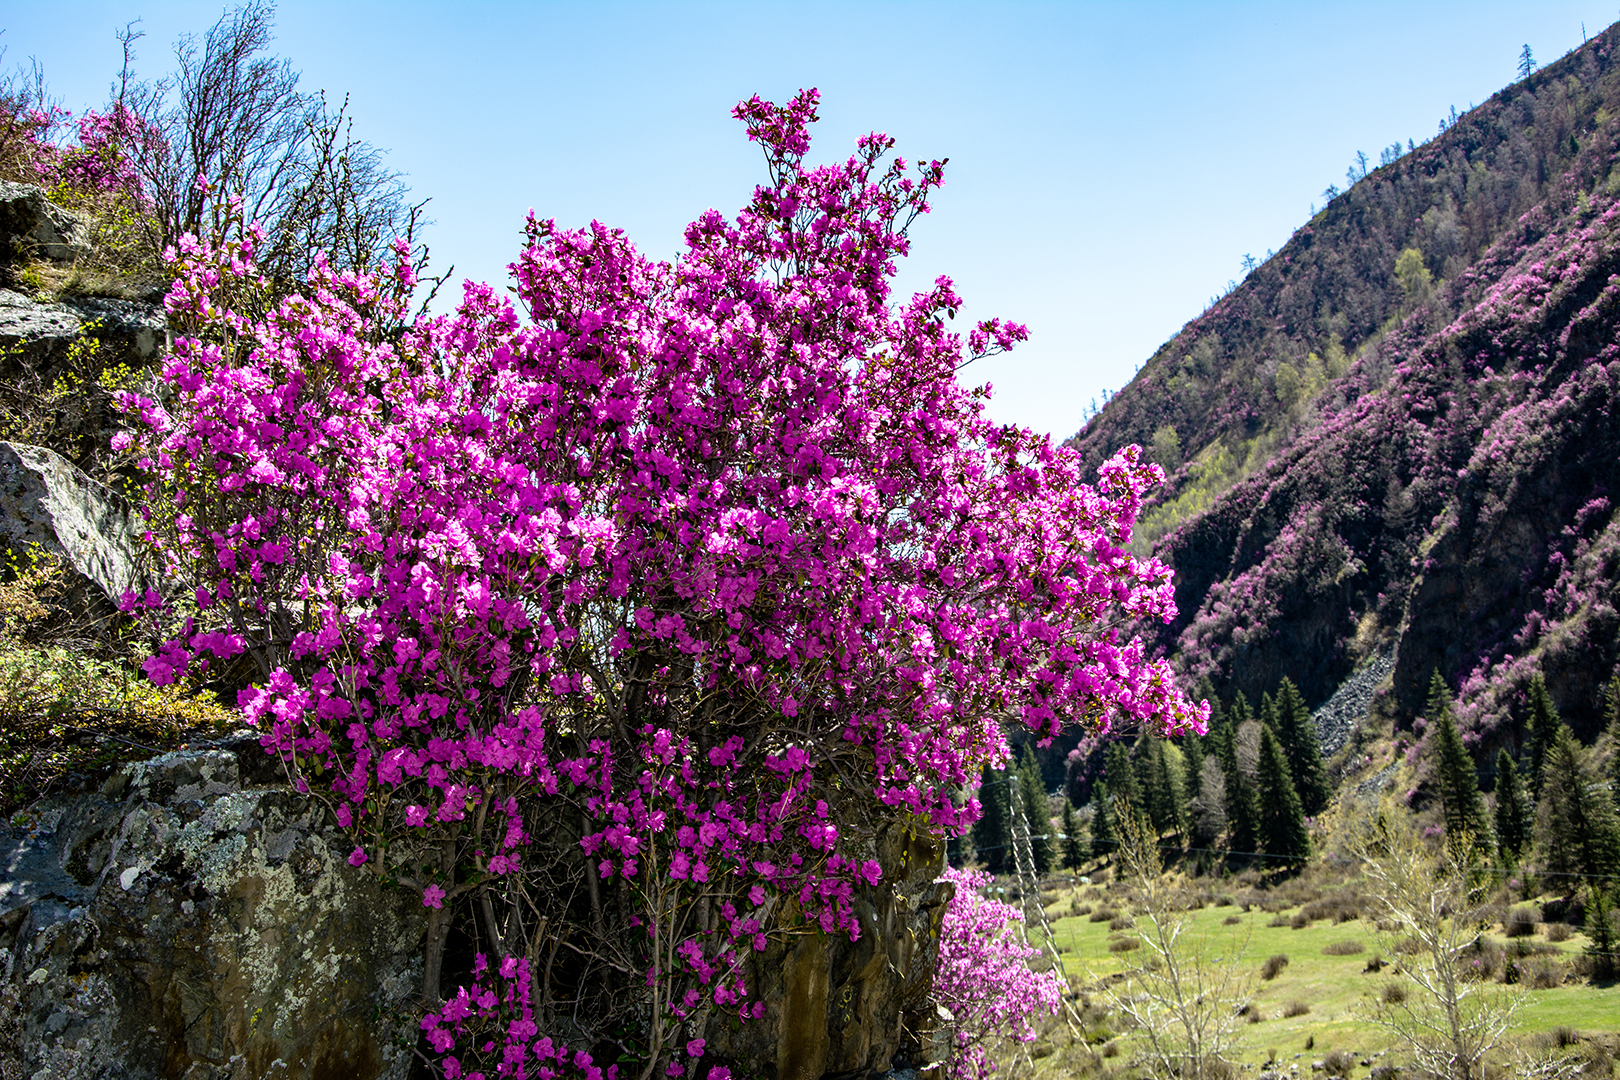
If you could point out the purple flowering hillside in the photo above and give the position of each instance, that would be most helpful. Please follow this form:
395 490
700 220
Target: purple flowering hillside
1401 433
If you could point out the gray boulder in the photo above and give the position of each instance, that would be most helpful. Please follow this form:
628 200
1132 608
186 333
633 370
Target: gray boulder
33 225
46 500
194 920
35 337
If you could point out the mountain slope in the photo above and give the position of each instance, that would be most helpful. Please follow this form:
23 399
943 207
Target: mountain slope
1448 495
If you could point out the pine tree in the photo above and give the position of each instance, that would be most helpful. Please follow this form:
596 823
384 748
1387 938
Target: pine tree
1037 809
1539 729
1121 774
1577 829
1513 821
1074 849
1192 764
1242 808
1282 817
1601 932
1458 780
1163 793
1104 836
1527 63
1611 728
1268 710
992 834
1297 733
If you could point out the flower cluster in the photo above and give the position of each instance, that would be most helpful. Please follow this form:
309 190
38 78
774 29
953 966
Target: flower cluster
96 159
631 614
984 980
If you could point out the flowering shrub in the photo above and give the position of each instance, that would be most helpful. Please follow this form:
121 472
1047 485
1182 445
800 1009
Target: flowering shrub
621 627
95 161
984 980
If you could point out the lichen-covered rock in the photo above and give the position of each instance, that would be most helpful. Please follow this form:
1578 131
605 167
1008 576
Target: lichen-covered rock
46 500
35 337
195 919
33 225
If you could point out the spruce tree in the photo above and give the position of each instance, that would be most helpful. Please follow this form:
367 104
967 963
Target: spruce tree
1458 780
1611 728
1192 763
1539 731
1268 710
1204 690
1242 809
1074 849
992 836
1104 836
1037 809
1601 932
1513 821
1121 774
1297 733
1282 817
1577 829
1164 795
1238 714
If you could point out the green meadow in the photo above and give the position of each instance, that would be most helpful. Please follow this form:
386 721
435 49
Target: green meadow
1315 1004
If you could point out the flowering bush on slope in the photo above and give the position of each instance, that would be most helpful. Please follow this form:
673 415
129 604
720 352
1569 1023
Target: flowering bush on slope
622 626
984 980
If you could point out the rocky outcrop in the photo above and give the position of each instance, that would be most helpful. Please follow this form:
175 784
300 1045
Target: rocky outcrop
45 501
195 919
32 225
35 337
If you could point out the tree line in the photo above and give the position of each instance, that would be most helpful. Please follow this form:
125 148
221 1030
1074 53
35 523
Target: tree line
1253 782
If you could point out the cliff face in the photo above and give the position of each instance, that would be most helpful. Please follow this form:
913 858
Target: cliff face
1449 496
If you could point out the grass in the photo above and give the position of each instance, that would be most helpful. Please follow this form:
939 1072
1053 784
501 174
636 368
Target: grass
1321 974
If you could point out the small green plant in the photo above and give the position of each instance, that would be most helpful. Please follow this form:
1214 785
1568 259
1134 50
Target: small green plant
65 706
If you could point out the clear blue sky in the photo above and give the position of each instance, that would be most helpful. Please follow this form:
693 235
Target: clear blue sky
1110 164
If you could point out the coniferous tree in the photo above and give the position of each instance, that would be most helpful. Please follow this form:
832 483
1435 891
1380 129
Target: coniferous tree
1282 817
1164 796
1539 730
1121 774
1192 763
1037 809
1238 714
1297 733
1611 728
1242 808
1208 808
1577 829
1601 932
1074 848
1513 820
1268 710
1458 780
1104 836
992 834
1204 690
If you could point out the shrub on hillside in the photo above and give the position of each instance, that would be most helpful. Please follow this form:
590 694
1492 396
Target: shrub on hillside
541 603
1273 966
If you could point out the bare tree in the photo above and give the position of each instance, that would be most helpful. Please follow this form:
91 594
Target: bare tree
1185 998
1209 805
230 134
1434 897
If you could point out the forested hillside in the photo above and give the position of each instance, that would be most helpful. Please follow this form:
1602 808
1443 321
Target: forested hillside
1399 434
